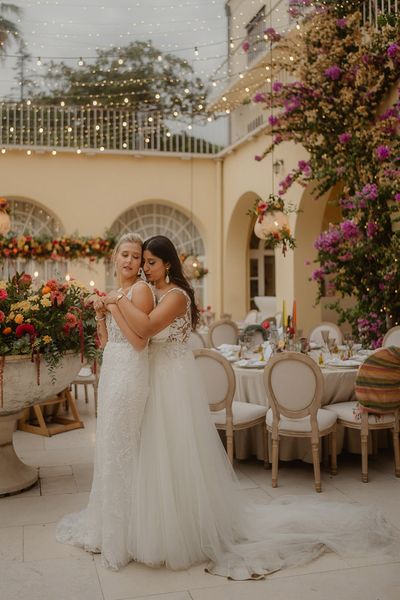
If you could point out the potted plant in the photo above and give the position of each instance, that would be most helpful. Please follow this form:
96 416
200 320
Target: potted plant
46 331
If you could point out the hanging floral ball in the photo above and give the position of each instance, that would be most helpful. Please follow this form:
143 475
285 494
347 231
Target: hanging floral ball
270 223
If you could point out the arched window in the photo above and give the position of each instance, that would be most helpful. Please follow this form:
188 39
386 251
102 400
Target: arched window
261 270
160 219
29 218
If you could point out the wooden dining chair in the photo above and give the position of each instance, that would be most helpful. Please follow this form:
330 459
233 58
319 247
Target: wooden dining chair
196 341
224 331
88 375
377 404
294 386
228 415
392 337
334 332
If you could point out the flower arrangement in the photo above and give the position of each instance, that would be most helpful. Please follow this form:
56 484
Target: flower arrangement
48 320
271 224
344 72
58 249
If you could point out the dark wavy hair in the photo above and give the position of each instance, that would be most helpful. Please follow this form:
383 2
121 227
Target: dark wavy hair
163 248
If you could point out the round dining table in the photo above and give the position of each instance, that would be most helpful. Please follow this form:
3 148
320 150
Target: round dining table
338 387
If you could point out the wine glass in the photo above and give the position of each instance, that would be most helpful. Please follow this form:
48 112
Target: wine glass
273 339
350 344
325 337
331 345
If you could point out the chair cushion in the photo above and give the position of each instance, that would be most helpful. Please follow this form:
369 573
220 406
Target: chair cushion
348 411
378 381
324 418
242 413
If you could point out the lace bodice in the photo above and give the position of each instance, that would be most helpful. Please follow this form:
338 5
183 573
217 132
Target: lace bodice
176 335
115 335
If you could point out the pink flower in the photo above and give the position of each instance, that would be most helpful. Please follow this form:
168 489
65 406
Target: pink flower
246 46
372 229
272 120
71 319
334 72
258 157
272 35
318 274
344 138
382 152
3 294
277 86
394 51
2 316
259 97
370 191
341 23
349 229
397 197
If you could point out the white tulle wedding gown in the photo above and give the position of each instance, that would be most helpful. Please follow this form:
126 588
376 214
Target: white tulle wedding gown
188 508
104 526
182 506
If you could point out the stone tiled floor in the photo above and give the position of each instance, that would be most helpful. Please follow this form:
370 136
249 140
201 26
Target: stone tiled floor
33 566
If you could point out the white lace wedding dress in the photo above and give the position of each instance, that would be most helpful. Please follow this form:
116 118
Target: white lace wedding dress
104 526
188 509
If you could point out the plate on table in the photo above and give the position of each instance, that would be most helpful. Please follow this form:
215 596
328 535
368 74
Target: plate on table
343 364
250 364
315 346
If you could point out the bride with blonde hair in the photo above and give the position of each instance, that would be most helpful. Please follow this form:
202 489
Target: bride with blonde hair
122 396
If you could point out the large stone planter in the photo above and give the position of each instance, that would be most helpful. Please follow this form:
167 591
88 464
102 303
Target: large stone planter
21 387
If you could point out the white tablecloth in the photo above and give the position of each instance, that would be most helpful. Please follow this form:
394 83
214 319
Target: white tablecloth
338 387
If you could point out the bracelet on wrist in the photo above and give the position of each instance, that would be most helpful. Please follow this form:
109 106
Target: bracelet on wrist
99 319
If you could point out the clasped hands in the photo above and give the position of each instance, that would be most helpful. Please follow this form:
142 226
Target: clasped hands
102 305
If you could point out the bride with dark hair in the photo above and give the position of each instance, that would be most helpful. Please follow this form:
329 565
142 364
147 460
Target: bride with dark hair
187 508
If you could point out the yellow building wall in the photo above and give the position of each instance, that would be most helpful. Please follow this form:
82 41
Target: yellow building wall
87 194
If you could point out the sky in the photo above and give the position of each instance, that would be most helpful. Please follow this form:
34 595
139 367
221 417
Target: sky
195 30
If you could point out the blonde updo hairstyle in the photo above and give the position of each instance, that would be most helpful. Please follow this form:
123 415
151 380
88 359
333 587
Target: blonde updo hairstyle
130 238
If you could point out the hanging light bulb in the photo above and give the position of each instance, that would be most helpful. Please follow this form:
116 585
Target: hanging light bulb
81 62
39 62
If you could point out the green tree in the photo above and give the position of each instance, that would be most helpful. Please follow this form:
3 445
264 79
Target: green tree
137 76
9 31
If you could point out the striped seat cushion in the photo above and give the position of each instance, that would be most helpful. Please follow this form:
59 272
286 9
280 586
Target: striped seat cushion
378 381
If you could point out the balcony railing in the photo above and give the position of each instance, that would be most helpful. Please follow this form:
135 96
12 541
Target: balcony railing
93 129
373 8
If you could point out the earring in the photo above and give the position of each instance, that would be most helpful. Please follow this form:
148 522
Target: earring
140 273
167 279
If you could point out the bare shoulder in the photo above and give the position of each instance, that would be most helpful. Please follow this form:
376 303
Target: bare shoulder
174 297
141 289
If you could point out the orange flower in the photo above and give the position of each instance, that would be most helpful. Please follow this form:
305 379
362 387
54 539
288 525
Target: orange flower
7 330
19 318
46 290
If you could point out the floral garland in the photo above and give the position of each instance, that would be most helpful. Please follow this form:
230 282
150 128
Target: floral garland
57 249
344 72
281 235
